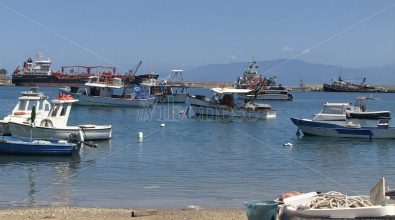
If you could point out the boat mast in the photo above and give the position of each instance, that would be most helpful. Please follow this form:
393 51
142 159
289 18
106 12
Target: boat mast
130 74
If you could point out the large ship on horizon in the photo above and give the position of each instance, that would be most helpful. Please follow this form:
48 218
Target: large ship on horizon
340 85
39 73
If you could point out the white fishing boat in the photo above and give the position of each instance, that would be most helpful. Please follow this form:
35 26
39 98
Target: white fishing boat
54 126
98 93
344 111
223 104
23 109
335 205
345 129
322 206
164 92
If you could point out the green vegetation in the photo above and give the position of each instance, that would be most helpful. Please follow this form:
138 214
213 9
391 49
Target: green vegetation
3 71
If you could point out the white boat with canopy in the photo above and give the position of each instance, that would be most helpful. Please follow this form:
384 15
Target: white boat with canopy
223 104
344 111
54 126
22 110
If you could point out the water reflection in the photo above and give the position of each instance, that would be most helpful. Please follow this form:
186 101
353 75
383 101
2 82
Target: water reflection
55 170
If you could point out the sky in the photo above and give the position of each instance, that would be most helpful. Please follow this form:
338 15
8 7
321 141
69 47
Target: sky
184 34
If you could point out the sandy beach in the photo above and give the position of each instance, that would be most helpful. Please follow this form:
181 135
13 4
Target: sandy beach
107 214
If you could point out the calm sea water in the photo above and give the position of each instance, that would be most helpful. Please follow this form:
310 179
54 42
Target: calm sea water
208 163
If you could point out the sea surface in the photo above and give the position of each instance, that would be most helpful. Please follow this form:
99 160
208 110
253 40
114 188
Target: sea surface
203 162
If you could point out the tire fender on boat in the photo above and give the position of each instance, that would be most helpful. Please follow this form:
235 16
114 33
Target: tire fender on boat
46 123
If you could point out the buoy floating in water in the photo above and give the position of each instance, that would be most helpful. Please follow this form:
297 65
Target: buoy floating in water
162 125
288 144
141 136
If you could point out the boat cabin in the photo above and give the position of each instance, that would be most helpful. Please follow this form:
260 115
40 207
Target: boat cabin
29 99
225 96
59 113
361 103
154 88
334 111
102 89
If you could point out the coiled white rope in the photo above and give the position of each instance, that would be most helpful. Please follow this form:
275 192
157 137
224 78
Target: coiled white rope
334 199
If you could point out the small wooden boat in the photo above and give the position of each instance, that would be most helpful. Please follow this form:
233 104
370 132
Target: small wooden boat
18 145
335 205
323 206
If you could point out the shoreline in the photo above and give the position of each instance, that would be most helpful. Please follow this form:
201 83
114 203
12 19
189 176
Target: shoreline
77 213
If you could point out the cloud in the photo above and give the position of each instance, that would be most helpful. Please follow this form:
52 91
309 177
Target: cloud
287 49
233 57
306 51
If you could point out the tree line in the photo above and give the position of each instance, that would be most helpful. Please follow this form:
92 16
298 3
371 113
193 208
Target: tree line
3 71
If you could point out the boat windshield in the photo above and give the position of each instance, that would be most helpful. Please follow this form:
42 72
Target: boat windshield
22 105
30 105
332 110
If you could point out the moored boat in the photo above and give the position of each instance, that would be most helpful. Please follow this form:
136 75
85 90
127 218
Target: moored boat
340 85
263 88
96 93
55 125
344 111
344 129
165 93
329 205
39 73
223 104
23 109
18 145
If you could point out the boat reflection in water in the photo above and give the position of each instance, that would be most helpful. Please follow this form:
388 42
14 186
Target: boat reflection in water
47 177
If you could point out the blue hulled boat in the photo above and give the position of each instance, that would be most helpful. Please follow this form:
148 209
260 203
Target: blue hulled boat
344 129
18 145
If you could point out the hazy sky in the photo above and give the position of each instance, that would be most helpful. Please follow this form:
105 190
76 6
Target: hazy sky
168 34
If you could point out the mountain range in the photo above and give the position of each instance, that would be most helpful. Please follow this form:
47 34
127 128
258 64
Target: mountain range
291 72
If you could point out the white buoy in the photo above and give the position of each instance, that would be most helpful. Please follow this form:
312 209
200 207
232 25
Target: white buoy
287 145
141 136
162 125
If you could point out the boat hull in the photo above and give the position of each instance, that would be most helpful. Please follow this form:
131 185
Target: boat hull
325 129
369 115
4 128
47 81
334 88
269 96
172 98
108 101
15 145
385 212
97 132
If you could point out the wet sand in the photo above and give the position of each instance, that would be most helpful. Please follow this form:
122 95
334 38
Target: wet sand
121 214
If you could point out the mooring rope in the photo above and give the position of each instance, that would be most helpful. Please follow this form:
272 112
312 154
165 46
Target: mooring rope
334 199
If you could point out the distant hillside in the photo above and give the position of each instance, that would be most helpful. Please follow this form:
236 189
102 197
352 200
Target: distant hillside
290 72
